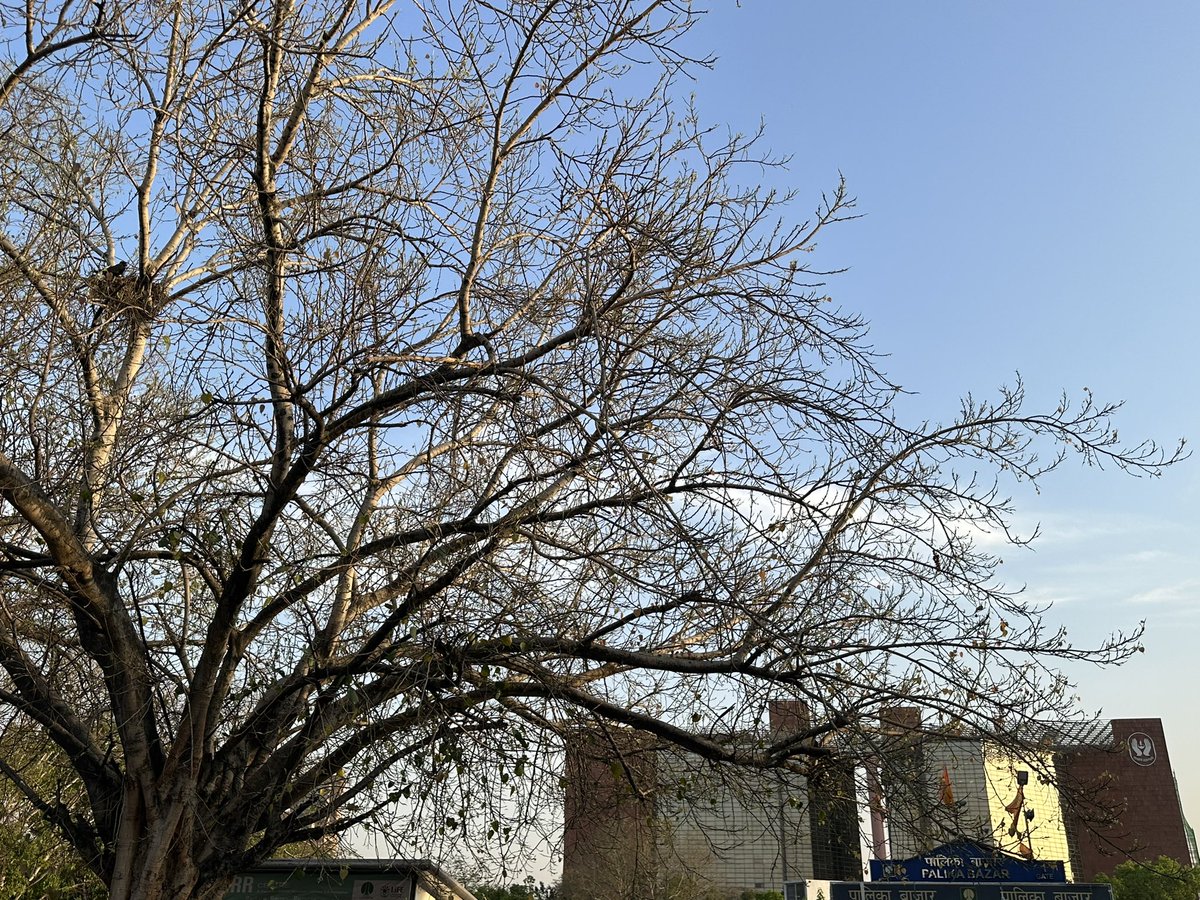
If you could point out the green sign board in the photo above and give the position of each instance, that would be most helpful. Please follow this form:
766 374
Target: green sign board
330 884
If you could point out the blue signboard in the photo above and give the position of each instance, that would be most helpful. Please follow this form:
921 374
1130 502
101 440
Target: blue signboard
845 890
968 861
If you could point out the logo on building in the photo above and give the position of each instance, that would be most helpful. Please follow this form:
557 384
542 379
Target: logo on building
1141 749
378 889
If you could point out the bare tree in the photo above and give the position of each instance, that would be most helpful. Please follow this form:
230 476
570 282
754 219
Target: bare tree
391 387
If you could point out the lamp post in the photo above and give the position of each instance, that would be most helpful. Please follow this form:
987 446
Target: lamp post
1016 809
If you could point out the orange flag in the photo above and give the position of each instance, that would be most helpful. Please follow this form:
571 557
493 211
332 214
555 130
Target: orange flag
947 792
1014 810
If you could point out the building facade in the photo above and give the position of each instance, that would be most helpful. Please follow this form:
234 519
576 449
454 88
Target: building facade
956 787
648 822
1092 794
1130 806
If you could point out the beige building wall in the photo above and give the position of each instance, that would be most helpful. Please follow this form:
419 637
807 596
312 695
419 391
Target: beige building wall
1047 833
983 782
736 833
919 819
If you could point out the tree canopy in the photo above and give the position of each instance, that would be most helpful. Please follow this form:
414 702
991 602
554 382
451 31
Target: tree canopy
529 890
1163 879
35 862
391 388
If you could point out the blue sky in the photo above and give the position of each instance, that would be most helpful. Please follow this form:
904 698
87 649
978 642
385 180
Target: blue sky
1029 179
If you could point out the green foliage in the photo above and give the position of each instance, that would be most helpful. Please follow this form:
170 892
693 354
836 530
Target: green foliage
35 862
688 886
524 891
760 895
1164 879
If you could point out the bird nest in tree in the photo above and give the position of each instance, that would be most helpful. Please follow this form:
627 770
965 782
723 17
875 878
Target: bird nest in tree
131 295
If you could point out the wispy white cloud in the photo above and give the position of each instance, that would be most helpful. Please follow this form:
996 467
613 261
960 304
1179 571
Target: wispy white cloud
1143 556
1075 527
1173 594
1060 529
1052 595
